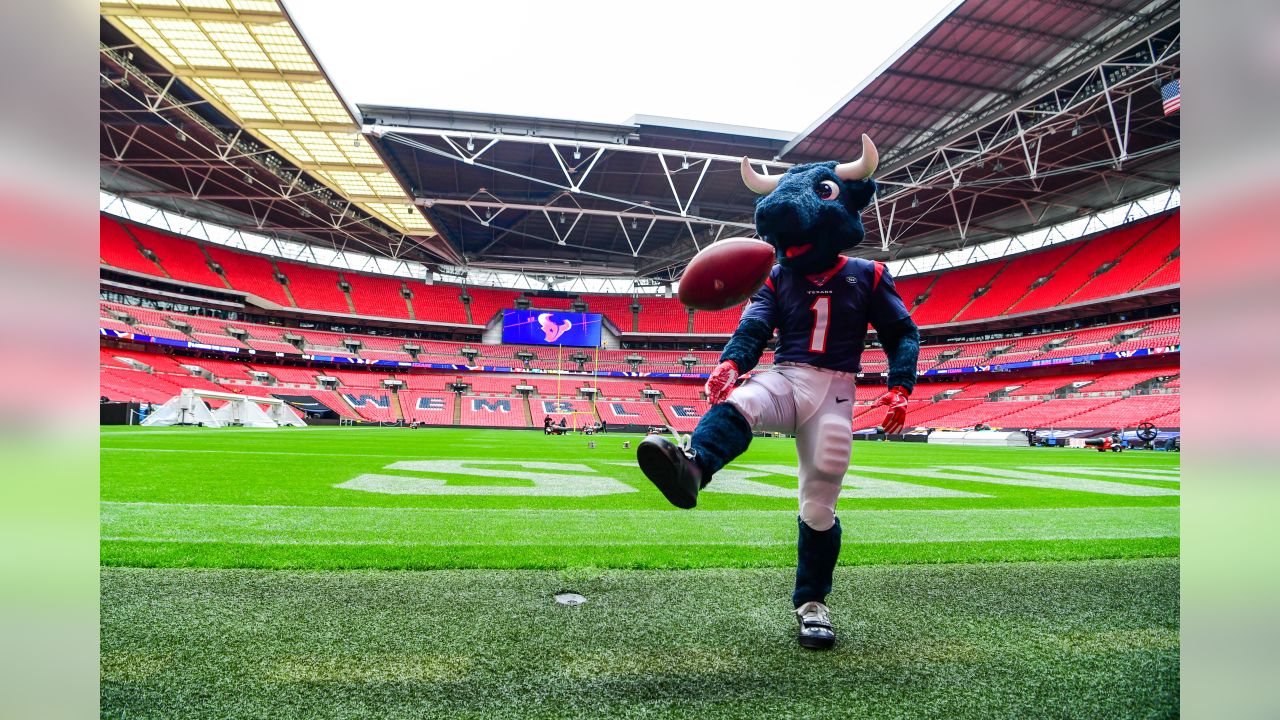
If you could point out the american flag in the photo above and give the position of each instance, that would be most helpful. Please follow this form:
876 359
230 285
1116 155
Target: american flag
1171 94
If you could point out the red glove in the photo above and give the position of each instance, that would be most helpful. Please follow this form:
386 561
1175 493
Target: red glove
896 401
720 384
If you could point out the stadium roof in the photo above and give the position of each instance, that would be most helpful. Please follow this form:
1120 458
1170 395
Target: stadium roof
1001 116
234 84
563 196
1006 115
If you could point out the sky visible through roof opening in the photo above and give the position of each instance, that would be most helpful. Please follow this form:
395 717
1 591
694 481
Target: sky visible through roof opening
778 66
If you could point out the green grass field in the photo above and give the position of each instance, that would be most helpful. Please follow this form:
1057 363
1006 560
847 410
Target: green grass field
353 572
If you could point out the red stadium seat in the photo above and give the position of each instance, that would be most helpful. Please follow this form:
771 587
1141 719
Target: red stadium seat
182 258
117 249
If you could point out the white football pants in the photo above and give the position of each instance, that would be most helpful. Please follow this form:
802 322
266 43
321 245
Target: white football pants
816 405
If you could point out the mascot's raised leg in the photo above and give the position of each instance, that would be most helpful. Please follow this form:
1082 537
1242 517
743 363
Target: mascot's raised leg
765 402
680 472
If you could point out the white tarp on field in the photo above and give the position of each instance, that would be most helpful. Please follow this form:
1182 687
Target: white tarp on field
283 414
244 412
182 410
978 437
189 408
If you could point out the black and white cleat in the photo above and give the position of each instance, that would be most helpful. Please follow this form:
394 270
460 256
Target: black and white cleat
816 632
672 469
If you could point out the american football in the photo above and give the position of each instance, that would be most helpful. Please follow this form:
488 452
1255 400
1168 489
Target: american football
726 273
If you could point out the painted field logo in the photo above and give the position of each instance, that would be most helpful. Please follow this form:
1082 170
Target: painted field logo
563 480
441 477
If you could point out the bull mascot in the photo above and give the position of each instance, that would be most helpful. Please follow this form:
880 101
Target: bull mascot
820 303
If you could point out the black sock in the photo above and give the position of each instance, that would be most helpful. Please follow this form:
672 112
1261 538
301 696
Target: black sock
816 552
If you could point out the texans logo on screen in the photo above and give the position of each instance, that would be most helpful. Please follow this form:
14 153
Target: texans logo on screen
551 329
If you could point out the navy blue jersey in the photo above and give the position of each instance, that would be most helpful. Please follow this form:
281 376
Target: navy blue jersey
822 319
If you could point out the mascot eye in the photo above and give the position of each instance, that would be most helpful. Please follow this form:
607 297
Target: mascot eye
828 190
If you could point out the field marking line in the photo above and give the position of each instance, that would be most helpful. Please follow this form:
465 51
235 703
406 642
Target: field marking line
584 528
615 543
619 511
400 456
623 511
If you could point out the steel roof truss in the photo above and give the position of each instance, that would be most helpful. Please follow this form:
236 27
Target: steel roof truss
683 205
1027 128
635 247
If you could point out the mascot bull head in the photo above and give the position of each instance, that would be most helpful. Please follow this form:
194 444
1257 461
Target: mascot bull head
812 212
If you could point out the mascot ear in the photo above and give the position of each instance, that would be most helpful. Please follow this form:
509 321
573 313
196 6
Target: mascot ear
858 193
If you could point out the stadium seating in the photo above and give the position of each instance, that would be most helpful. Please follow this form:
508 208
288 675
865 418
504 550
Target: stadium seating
621 389
1140 252
426 381
1015 281
662 315
117 249
683 415
438 303
155 377
1158 238
328 398
376 295
315 288
954 290
542 302
295 375
119 383
618 412
615 307
1127 412
1169 274
910 288
493 412
157 362
499 384
1121 380
181 258
1056 413
1078 270
723 322
113 324
487 302
541 407
430 408
976 390
370 404
1153 333
251 274
678 391
1047 385
357 378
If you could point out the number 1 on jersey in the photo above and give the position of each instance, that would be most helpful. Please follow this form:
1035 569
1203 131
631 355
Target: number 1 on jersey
821 310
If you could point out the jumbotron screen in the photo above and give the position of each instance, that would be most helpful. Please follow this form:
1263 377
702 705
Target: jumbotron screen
550 327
